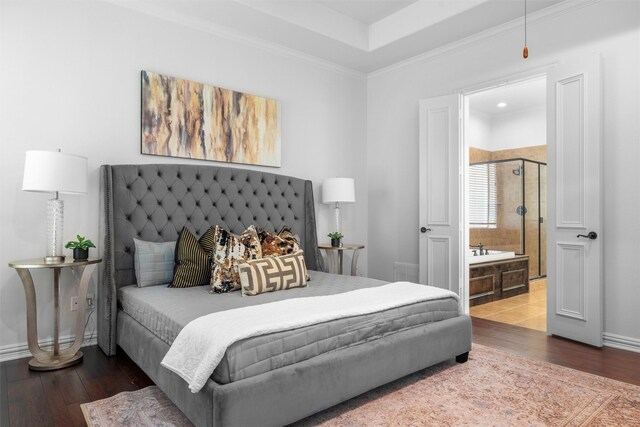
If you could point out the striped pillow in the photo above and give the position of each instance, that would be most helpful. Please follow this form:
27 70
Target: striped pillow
192 259
273 273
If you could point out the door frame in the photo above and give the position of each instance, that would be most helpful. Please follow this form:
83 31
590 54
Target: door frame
463 161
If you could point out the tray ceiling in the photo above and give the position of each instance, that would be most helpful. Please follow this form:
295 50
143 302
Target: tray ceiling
361 35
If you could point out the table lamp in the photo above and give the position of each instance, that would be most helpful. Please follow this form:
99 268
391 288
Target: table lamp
338 190
54 172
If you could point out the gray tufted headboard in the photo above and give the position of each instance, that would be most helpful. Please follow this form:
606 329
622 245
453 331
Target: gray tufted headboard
154 202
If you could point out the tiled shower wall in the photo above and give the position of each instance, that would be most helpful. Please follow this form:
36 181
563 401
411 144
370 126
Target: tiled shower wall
509 233
537 153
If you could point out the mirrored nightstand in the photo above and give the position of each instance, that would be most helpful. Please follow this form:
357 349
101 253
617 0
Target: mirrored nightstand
335 257
48 360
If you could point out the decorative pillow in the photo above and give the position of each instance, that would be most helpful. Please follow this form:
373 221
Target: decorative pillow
228 250
273 273
153 262
282 243
208 240
192 259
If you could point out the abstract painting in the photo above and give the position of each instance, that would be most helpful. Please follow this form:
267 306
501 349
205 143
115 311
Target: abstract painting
181 118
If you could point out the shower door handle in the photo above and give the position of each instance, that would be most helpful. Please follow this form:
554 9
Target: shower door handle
592 235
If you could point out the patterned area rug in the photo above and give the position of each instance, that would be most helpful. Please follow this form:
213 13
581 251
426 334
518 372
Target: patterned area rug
141 408
493 388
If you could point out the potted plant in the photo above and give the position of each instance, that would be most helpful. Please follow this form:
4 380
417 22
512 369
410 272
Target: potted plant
80 247
336 239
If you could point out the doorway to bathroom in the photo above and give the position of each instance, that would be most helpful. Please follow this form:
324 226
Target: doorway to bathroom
574 222
506 138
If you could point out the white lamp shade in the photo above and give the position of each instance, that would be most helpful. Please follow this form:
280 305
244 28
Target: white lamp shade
341 190
50 171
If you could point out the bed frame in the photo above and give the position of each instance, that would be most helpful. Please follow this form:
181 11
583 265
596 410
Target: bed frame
153 202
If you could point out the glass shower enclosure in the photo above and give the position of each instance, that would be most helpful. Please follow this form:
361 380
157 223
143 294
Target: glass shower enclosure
508 207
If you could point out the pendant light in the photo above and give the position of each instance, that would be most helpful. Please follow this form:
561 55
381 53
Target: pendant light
525 51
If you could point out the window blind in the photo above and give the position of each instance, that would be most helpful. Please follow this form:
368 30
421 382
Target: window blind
483 209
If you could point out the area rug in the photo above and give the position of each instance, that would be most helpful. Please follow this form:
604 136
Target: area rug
141 408
493 388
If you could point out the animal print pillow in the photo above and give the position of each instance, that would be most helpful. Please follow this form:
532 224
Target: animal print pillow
229 249
282 243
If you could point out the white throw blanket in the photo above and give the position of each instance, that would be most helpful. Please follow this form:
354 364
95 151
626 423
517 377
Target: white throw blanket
201 345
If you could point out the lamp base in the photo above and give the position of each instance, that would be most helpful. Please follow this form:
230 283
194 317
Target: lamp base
55 216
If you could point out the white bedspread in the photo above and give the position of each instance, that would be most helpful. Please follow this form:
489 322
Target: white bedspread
201 345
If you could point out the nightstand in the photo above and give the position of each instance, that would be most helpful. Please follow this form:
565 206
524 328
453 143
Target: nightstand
49 360
335 255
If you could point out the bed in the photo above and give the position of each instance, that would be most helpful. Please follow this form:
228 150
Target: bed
274 379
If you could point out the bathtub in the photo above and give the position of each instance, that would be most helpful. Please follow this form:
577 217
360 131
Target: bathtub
491 256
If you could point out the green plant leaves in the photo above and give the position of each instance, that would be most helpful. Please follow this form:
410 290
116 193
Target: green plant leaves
82 243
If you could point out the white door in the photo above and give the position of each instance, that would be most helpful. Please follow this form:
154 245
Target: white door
439 192
574 272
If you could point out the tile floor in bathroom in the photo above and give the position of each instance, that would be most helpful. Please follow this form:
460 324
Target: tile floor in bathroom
527 310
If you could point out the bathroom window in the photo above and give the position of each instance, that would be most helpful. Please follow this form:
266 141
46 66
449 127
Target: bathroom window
482 196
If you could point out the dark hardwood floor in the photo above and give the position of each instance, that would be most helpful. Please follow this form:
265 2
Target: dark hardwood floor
53 398
608 362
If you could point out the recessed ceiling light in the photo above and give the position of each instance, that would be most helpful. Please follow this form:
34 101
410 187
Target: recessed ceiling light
502 104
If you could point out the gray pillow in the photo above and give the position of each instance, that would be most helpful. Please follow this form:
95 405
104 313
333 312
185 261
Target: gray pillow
154 262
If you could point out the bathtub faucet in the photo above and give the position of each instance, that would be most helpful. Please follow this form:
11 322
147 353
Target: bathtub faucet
482 249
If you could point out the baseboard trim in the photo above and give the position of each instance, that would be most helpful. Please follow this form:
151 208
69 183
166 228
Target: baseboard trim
621 342
20 350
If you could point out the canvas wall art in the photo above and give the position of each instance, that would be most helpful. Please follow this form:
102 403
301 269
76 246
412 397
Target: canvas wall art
181 118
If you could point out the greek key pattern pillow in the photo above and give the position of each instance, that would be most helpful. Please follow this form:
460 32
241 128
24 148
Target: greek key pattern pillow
228 250
273 273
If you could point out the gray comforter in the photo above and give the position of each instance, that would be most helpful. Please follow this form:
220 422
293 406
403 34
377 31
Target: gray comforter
165 311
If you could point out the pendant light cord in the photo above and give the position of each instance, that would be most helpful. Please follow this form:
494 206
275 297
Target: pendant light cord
525 51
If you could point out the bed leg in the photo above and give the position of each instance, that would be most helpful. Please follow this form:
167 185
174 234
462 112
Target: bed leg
461 358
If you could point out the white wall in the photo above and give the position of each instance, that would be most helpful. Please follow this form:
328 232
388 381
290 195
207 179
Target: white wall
479 135
70 78
609 27
526 127
518 129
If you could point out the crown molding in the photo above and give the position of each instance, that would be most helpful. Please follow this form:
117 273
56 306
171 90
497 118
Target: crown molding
160 12
318 19
157 11
551 11
510 79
